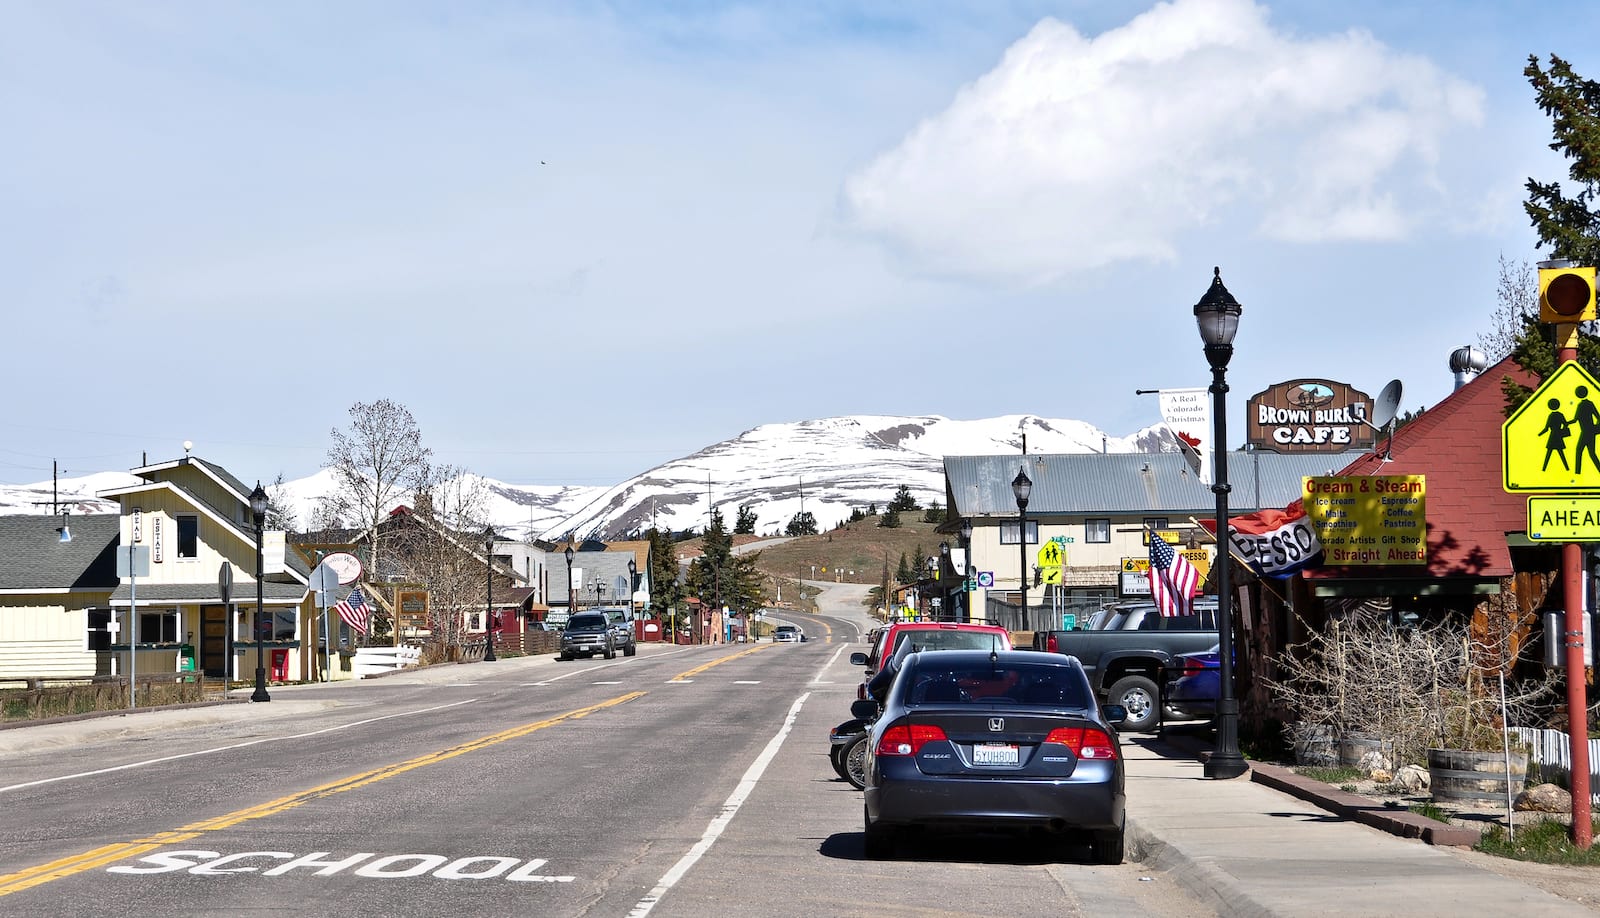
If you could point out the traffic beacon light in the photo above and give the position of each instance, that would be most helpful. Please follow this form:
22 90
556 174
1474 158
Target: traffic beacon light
1566 294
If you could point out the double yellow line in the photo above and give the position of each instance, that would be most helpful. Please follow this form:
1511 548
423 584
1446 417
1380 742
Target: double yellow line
108 854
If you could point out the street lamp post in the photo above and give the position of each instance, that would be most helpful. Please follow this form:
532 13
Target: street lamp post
571 594
258 513
488 594
599 594
1021 489
966 578
1217 314
633 571
944 585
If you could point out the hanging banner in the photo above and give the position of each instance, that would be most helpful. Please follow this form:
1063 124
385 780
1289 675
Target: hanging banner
1187 413
1276 543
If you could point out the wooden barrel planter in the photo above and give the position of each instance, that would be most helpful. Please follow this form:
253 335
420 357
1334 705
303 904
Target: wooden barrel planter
1465 776
1315 745
1353 747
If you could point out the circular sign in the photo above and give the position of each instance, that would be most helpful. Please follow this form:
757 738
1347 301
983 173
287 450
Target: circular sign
346 565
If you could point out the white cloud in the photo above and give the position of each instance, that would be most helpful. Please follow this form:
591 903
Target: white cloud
1076 152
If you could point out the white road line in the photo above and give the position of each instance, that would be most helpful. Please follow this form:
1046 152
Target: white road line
607 683
257 742
817 679
741 681
730 808
678 681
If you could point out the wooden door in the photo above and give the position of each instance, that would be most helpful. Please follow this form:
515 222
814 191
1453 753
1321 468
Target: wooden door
214 650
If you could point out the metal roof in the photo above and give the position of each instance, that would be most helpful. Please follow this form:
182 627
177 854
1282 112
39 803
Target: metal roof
1129 483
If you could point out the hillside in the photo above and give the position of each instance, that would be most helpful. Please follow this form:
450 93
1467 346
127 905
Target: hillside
853 553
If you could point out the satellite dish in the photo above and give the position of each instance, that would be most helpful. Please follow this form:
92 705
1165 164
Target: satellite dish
1388 403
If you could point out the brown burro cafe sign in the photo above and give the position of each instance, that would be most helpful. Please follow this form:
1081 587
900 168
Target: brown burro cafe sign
1310 416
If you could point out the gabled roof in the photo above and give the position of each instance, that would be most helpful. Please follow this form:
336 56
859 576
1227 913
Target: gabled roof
216 472
1128 483
1456 444
33 557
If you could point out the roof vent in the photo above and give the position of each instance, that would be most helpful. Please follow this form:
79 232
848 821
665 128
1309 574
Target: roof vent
1466 363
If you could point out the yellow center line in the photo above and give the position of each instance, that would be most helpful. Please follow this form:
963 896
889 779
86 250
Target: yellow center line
719 661
98 857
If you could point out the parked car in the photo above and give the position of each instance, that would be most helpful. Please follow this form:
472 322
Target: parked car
891 637
1195 684
587 634
994 740
788 634
622 630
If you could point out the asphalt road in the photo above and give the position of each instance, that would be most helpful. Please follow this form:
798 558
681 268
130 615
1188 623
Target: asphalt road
682 782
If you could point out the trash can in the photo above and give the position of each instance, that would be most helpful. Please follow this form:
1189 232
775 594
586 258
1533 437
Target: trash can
280 665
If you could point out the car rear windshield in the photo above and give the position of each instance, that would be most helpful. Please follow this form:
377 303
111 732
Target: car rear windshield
587 623
933 683
941 639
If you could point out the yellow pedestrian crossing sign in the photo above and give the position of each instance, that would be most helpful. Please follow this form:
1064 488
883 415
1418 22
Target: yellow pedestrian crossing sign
1051 555
1552 441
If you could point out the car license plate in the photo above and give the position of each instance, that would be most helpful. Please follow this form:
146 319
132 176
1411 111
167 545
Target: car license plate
994 754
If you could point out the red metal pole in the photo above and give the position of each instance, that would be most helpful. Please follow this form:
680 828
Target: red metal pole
1577 701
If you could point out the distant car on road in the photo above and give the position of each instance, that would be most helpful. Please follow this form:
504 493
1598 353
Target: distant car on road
788 634
587 634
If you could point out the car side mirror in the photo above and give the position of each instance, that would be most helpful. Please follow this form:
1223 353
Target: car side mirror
858 659
1114 714
867 709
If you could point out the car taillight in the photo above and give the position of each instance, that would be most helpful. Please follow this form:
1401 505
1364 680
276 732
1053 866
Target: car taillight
908 740
1192 666
1050 643
861 690
1085 742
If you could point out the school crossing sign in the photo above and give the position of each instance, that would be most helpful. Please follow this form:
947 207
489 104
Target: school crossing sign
1552 441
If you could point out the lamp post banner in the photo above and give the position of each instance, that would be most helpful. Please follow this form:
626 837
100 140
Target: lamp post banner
1187 413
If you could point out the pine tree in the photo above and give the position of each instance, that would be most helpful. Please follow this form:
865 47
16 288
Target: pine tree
902 574
745 524
856 515
801 524
934 513
872 509
890 519
1569 226
903 500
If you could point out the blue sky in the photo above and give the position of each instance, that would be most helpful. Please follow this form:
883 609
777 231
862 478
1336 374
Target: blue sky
577 240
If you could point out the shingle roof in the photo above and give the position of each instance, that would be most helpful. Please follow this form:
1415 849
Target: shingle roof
33 557
1456 444
244 593
1128 483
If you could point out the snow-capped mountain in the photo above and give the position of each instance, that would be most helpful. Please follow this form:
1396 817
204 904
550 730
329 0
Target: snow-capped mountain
826 467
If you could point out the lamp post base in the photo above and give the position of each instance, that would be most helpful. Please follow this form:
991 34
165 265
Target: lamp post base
1227 761
488 649
260 694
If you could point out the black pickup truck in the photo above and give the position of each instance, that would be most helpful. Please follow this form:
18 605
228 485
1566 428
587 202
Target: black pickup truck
1127 657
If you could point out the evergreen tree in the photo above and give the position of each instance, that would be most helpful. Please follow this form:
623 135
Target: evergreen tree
934 513
872 509
856 515
902 574
890 519
666 592
801 524
707 572
919 565
903 500
1568 225
746 522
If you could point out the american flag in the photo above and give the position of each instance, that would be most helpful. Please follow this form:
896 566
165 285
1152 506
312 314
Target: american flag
355 611
1173 580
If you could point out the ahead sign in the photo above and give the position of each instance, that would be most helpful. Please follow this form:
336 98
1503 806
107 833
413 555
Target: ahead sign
1564 519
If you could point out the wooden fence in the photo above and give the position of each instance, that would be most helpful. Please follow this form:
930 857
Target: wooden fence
38 697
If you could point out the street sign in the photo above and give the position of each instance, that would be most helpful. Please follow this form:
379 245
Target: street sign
225 583
1051 576
1552 441
1564 518
348 566
1051 555
985 579
325 582
1135 565
1069 621
133 561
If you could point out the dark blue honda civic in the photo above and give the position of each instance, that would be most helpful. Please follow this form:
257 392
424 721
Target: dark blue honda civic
995 740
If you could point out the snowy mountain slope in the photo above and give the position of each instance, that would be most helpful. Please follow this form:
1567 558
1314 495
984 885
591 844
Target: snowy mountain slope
827 467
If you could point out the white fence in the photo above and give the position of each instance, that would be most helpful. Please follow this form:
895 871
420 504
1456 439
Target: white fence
373 661
1552 752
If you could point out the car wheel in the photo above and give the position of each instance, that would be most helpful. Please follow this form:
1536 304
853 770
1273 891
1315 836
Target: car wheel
564 657
1108 847
610 652
1138 695
878 841
836 756
855 761
630 650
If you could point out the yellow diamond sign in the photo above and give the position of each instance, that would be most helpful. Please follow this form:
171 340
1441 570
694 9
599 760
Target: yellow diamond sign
1552 441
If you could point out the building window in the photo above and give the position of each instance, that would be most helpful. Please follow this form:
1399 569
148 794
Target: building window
98 636
283 624
1008 533
158 627
1097 530
188 537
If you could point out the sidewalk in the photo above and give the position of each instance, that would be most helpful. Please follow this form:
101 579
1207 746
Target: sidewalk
1249 850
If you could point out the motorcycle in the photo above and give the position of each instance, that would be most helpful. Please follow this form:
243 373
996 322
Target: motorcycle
849 751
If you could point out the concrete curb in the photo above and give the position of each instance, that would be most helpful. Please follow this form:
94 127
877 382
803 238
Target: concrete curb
1202 879
1393 820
